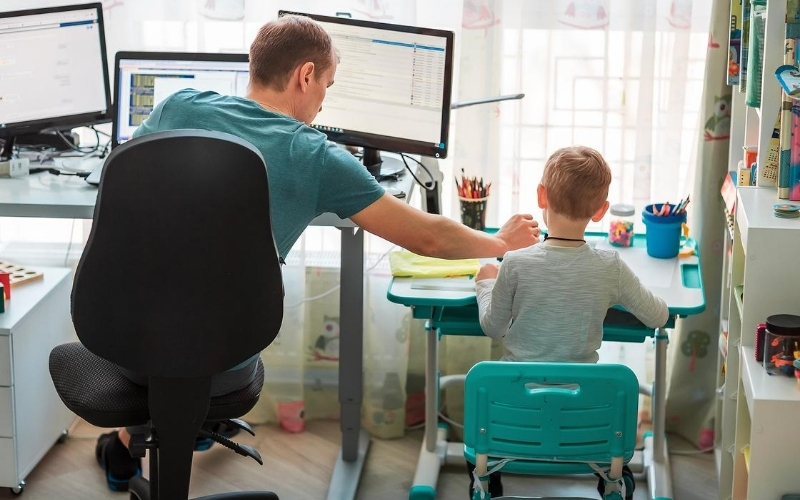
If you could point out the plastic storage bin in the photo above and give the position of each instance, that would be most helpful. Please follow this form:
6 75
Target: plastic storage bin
781 344
620 227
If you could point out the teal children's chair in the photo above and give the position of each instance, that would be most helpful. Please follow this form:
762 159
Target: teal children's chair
550 419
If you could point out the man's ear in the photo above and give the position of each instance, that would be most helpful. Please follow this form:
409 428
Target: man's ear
305 74
598 216
541 193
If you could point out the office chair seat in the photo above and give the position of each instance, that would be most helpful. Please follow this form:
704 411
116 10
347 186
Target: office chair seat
97 391
180 281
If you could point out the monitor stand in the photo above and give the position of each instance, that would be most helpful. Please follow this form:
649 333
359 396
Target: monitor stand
381 166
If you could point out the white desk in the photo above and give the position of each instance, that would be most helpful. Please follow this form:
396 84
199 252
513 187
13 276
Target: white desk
46 195
450 307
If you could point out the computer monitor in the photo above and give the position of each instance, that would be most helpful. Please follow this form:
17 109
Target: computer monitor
391 92
53 72
144 79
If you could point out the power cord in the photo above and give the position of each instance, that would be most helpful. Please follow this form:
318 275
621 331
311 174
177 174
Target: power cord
428 186
55 171
337 287
79 149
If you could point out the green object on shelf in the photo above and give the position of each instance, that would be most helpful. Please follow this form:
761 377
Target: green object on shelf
758 23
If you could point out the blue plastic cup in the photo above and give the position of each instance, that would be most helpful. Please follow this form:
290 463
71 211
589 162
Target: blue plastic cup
663 231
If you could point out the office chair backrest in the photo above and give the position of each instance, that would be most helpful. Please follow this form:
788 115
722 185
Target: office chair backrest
552 412
180 276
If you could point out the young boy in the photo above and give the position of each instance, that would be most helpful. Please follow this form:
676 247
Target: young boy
548 301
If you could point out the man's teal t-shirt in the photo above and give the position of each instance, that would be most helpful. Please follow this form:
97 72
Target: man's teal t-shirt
308 175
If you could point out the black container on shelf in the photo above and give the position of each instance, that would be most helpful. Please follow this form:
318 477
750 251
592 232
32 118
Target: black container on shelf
781 344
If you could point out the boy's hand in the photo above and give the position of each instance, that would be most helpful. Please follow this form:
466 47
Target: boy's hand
521 231
487 271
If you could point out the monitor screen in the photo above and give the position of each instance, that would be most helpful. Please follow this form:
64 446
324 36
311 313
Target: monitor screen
53 70
391 91
144 79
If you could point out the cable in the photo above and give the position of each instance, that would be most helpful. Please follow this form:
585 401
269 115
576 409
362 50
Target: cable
337 287
450 421
100 132
56 171
78 148
425 186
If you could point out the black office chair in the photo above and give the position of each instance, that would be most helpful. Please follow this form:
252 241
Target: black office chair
180 280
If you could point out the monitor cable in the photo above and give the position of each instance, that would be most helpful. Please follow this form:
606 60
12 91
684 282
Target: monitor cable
427 186
55 171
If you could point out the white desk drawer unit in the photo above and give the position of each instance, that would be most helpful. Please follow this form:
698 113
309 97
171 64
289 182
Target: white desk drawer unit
32 416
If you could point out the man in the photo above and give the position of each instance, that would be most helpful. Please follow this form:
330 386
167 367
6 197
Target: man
292 63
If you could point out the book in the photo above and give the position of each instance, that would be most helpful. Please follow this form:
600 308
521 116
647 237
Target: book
735 43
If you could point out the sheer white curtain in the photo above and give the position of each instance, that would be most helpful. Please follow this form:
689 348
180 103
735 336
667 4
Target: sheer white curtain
623 76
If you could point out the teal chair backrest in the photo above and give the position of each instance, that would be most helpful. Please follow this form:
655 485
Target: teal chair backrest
552 418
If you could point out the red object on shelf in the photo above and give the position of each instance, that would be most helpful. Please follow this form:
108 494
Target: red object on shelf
761 330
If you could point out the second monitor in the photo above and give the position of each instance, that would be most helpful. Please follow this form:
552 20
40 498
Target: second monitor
392 90
143 79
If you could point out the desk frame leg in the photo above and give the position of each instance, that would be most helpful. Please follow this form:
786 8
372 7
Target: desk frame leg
656 456
430 459
355 442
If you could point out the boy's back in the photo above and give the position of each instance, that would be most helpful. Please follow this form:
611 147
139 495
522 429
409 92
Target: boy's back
556 298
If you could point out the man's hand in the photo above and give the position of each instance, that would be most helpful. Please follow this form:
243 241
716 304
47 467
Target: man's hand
520 231
487 271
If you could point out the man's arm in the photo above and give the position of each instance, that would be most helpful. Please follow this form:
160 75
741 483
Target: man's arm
437 236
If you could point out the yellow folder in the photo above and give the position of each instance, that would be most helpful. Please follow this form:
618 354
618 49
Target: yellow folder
405 263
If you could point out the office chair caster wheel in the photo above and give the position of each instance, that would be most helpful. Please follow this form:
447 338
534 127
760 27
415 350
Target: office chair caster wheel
62 437
17 490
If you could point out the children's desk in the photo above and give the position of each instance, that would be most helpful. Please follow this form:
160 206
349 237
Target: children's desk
450 308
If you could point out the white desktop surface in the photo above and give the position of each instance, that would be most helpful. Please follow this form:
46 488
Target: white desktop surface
70 197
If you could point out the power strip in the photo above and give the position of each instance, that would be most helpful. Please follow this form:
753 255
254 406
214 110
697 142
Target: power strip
15 167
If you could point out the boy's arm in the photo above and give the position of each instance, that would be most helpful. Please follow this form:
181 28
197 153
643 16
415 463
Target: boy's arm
495 297
638 300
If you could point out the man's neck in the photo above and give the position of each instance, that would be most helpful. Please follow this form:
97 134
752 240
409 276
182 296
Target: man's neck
559 226
271 100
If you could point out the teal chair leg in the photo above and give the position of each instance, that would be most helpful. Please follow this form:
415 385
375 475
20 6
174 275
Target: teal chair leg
421 492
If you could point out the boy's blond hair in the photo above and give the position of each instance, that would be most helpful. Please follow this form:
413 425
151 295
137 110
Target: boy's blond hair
576 179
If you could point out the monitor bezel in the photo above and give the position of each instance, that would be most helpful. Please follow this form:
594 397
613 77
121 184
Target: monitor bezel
162 56
66 122
388 143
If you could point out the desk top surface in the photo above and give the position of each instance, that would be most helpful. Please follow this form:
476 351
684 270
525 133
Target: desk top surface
25 297
678 281
69 197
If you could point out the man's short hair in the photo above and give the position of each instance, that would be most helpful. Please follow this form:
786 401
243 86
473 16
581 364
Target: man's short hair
576 179
284 44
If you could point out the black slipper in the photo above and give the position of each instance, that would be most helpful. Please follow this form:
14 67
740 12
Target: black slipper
115 482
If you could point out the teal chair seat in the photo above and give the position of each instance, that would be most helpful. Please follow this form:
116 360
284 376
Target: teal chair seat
550 419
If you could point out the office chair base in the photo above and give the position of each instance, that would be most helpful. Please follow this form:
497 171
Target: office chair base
140 490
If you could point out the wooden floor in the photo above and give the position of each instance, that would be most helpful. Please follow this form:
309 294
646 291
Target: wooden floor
298 467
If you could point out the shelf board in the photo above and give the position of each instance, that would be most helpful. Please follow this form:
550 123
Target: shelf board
761 387
738 293
754 210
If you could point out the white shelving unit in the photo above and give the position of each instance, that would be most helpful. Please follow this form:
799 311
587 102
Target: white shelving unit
756 433
759 434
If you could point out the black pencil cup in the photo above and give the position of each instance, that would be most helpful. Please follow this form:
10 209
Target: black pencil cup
473 212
